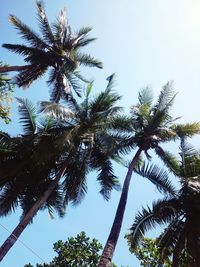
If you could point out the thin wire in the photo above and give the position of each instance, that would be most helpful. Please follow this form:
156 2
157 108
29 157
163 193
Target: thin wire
22 243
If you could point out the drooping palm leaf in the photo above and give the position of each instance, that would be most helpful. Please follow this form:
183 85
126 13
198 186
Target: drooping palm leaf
27 115
159 177
162 212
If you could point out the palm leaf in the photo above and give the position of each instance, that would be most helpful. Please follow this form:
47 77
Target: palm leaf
146 96
26 77
157 176
187 129
44 24
88 61
161 212
27 116
166 98
55 110
22 49
168 238
107 179
9 198
75 184
169 159
30 36
83 31
111 81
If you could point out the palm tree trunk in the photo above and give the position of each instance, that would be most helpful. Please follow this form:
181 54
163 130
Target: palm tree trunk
15 68
10 241
106 257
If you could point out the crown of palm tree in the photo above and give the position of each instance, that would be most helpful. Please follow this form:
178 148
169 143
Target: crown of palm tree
83 136
58 48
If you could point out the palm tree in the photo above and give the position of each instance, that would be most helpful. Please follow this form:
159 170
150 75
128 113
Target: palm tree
152 126
58 50
179 212
62 152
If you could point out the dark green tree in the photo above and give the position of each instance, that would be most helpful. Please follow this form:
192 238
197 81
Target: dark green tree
58 49
152 125
180 213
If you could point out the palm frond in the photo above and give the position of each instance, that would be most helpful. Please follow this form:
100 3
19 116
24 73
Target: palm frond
157 176
169 159
22 49
107 179
75 184
169 236
88 61
55 203
81 38
145 96
111 81
27 116
126 144
122 123
74 83
26 77
46 123
55 110
83 42
44 24
82 78
83 31
104 101
187 129
161 212
166 98
9 198
27 34
56 82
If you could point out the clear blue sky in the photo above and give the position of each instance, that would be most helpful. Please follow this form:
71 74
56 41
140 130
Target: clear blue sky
146 42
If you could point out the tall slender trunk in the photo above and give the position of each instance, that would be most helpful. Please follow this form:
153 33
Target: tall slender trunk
10 241
106 257
15 68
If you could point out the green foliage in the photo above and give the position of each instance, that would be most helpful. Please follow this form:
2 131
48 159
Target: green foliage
79 251
148 253
6 90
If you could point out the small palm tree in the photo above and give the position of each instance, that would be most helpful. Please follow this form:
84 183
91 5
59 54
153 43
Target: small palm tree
179 212
151 126
57 49
62 151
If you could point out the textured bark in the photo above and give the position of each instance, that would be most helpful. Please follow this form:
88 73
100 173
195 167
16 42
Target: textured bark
106 257
15 68
10 241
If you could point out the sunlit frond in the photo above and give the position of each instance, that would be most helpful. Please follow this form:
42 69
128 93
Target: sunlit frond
27 116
